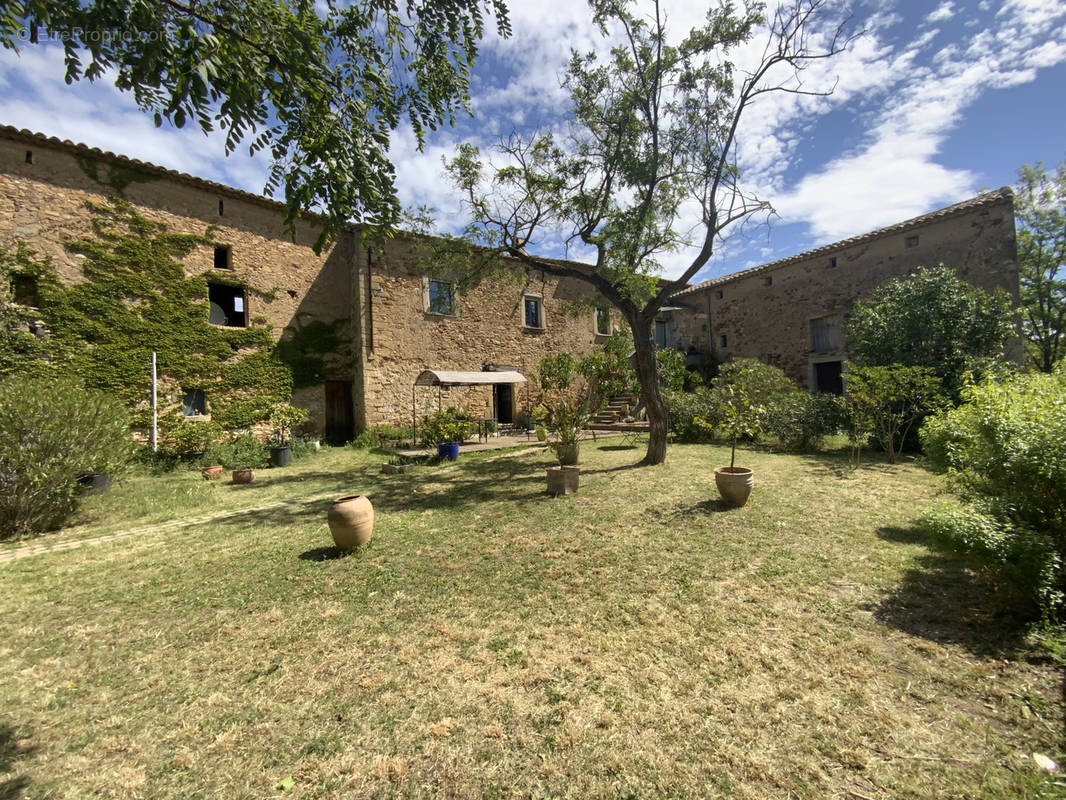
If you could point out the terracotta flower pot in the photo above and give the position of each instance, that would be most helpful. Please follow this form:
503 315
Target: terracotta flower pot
351 521
243 475
734 484
212 473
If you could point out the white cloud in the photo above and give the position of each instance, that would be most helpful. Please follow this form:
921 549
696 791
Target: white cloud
944 11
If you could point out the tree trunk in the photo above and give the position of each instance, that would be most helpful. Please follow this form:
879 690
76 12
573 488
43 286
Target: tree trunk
648 374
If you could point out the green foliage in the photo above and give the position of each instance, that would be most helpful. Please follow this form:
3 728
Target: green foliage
240 452
1026 561
137 299
367 440
685 408
607 372
738 391
445 427
655 121
889 400
52 431
1040 215
932 319
20 349
309 349
284 417
672 372
800 420
318 86
194 436
763 383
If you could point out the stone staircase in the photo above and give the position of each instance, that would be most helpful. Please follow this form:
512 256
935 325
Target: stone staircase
616 410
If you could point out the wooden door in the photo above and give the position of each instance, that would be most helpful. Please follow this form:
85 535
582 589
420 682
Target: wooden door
340 412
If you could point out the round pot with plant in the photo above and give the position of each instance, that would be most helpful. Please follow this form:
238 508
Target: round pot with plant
740 416
284 417
446 429
241 455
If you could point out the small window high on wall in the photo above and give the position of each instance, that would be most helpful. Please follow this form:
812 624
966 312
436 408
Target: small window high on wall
228 306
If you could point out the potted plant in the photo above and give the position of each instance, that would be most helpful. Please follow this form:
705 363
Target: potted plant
740 416
241 455
284 417
446 429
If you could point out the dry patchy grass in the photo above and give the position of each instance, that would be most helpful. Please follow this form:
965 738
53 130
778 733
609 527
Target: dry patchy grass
634 640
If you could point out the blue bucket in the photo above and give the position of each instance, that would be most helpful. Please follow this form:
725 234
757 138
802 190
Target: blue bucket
448 452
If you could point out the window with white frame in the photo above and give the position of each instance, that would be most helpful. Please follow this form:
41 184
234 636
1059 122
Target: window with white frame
532 311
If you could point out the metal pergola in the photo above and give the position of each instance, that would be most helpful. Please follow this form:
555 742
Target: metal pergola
450 378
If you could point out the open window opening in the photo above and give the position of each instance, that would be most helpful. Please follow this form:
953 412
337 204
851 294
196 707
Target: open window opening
828 377
223 257
603 321
24 290
193 403
227 305
440 297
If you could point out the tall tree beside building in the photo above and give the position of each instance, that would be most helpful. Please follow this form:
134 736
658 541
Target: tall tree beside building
1040 212
319 86
653 136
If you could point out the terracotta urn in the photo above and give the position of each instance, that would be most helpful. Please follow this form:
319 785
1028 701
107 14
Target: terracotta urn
212 473
351 521
243 475
734 484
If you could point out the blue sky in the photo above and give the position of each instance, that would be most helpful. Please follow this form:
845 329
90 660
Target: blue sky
935 102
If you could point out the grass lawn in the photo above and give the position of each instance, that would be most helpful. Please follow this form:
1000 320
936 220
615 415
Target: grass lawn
633 640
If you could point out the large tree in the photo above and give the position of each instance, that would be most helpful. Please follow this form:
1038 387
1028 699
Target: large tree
320 85
1040 210
652 146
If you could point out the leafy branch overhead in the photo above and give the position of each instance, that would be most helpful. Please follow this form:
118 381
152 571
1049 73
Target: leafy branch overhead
648 167
318 86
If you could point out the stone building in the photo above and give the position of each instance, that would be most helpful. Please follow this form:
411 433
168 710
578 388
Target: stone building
395 321
392 321
790 313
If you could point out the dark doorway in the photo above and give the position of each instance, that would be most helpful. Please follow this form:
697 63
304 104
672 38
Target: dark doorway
340 413
503 402
827 377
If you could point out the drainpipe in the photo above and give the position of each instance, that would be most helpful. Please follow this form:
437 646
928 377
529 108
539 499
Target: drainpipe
710 329
369 307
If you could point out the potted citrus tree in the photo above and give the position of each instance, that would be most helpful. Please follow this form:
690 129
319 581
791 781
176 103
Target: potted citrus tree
446 429
740 416
284 417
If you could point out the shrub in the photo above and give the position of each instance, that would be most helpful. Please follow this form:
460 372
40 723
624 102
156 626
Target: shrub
445 426
52 431
1004 451
367 440
888 401
240 452
684 407
801 421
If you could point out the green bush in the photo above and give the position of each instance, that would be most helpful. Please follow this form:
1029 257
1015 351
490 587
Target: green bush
53 431
888 401
684 407
240 452
1004 450
801 421
444 427
367 440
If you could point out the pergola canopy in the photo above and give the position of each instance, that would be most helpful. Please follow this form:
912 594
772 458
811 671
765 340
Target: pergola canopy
440 377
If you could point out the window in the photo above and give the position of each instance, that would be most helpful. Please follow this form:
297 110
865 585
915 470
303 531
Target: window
29 156
725 341
193 403
660 334
603 321
441 297
911 241
719 294
222 257
825 334
221 208
24 290
768 280
833 263
533 311
227 305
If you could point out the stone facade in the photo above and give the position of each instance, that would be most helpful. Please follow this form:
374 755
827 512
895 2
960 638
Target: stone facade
379 301
790 313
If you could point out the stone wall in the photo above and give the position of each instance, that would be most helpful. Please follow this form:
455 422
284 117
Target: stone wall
399 338
768 312
44 188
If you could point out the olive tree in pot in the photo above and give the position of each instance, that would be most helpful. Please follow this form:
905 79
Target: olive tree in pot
284 417
740 416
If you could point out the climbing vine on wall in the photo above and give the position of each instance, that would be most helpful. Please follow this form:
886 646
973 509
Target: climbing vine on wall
137 299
